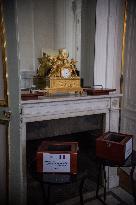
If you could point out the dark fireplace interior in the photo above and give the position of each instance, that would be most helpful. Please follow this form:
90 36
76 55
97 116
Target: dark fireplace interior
84 130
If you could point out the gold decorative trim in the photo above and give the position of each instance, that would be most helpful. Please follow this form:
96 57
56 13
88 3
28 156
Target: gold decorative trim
123 45
50 91
4 98
65 83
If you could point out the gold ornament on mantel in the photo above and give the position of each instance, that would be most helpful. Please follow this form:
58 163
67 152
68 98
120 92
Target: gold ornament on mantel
56 73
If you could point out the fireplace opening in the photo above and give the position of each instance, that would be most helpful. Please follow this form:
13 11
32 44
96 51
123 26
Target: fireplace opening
59 148
70 130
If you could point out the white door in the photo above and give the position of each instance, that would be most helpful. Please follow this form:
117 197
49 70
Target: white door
10 169
128 115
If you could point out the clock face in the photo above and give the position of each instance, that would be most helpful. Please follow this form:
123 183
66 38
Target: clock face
65 73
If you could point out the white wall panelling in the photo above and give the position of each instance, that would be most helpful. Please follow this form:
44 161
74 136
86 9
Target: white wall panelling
60 24
77 33
102 15
128 114
70 28
26 78
25 34
88 28
46 25
114 44
35 27
108 43
43 14
128 117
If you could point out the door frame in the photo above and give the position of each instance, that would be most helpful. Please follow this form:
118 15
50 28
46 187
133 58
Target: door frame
14 149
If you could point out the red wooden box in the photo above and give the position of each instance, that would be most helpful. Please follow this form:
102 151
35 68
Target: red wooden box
31 96
98 91
116 147
57 157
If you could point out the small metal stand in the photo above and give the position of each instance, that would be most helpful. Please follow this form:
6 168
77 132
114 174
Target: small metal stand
48 180
49 184
130 162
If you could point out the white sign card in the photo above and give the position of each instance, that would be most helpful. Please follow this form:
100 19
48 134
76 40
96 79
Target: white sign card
56 162
128 150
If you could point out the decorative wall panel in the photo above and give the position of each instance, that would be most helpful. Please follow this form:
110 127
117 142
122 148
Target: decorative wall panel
108 43
128 117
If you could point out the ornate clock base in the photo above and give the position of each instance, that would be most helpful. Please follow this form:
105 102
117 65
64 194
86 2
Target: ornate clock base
52 91
61 85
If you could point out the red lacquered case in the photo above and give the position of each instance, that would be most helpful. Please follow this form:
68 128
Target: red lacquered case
57 157
116 147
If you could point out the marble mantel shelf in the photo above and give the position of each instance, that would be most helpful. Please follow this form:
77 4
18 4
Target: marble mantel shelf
71 106
70 98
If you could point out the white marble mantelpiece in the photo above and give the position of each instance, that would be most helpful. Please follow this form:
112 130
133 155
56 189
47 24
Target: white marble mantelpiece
71 106
64 107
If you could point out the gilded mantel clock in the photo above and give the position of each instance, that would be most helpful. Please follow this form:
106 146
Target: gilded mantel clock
57 74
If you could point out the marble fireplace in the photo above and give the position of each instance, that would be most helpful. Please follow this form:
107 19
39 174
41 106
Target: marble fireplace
38 112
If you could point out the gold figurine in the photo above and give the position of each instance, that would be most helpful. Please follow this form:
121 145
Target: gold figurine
57 73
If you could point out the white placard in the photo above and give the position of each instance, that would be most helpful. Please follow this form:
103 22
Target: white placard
128 150
56 162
